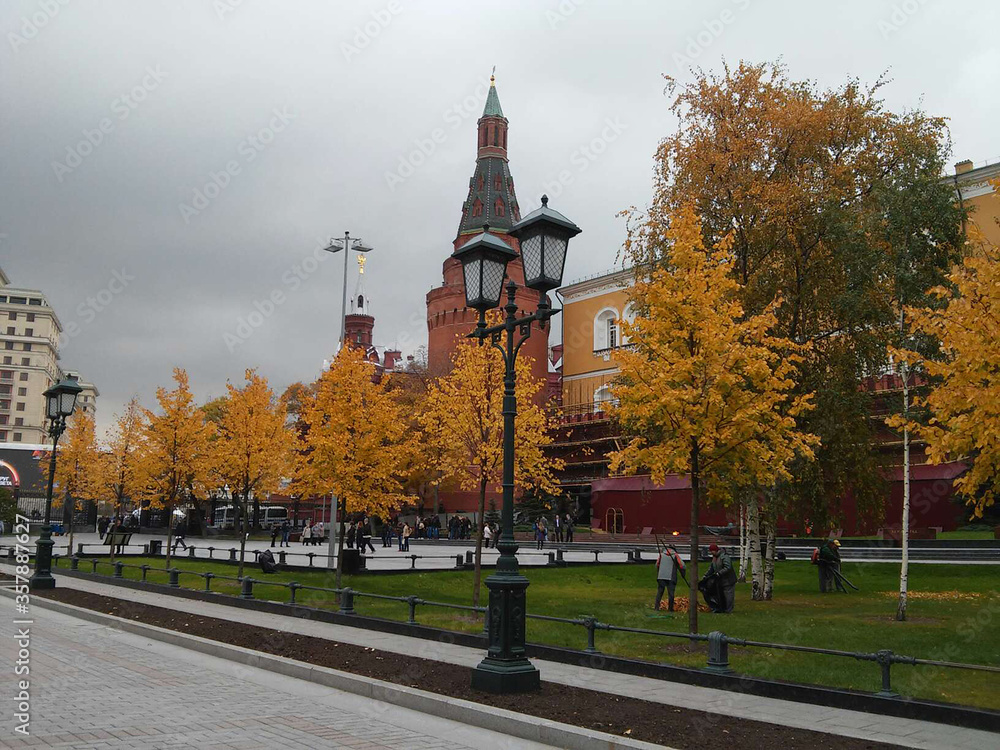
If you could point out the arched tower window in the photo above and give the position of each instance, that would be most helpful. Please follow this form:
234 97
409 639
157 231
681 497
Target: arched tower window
477 208
499 209
606 334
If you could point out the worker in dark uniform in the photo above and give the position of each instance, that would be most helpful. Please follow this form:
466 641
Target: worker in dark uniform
722 577
829 566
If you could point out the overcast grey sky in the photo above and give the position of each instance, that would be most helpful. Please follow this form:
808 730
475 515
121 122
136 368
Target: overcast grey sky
311 116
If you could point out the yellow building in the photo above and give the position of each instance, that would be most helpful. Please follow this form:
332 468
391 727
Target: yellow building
972 185
592 311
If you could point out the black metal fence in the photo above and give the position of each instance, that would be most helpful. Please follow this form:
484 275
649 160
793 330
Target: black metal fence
718 642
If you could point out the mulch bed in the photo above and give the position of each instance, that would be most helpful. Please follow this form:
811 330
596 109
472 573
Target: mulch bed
628 717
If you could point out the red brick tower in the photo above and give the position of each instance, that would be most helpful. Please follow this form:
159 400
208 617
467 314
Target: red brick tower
491 200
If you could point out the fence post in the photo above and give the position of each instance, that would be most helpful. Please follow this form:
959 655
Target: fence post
292 587
144 569
413 562
79 549
630 555
191 551
347 601
638 555
232 554
590 622
596 552
559 557
469 558
718 653
282 559
74 563
208 581
311 556
211 552
459 563
246 589
552 558
884 659
118 569
412 601
94 563
175 576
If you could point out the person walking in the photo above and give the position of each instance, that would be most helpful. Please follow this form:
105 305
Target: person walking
540 533
558 529
668 564
306 537
318 533
487 535
569 528
405 538
274 533
180 531
286 532
364 536
386 534
351 535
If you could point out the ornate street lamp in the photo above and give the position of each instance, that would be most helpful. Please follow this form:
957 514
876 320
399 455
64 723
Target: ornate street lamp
544 235
60 400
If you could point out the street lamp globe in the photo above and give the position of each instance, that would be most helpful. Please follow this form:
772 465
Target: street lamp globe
60 399
484 265
544 235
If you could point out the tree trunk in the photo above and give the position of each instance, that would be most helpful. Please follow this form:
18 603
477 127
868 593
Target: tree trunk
341 527
693 566
769 524
170 529
744 553
72 504
753 543
477 577
243 534
904 570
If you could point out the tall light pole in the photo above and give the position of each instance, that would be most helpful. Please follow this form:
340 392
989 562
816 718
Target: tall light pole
336 245
345 244
544 236
60 400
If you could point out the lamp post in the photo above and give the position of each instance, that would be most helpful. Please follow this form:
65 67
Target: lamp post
543 235
345 244
60 400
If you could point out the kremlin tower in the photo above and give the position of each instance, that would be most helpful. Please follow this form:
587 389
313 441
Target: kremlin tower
491 200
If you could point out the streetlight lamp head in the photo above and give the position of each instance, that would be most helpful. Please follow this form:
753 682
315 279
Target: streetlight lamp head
362 248
484 265
60 399
544 235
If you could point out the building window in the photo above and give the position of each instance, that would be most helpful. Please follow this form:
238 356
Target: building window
606 329
27 347
25 361
22 391
12 316
6 374
7 360
34 302
499 209
8 345
498 182
20 406
31 317
477 208
17 437
3 418
18 421
10 330
5 405
4 390
602 397
18 301
3 436
29 331
23 376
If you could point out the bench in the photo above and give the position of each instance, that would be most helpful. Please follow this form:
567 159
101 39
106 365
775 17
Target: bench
117 539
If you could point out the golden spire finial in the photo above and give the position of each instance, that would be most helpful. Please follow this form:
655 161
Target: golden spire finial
361 264
493 77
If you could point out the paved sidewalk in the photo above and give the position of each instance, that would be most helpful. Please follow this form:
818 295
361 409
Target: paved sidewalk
96 688
905 732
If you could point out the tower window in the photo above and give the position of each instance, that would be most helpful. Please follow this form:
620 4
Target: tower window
498 182
477 208
499 209
481 183
361 301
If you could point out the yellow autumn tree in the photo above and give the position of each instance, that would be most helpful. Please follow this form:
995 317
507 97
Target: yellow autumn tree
77 469
962 407
704 388
463 420
176 459
252 447
121 476
354 442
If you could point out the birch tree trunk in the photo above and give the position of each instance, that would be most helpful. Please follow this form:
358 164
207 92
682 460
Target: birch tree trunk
904 570
693 566
744 548
477 577
753 543
769 524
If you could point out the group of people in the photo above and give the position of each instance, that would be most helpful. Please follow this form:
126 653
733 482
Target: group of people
718 585
561 530
460 527
359 535
313 533
282 531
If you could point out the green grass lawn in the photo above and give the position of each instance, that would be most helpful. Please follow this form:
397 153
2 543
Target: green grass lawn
954 615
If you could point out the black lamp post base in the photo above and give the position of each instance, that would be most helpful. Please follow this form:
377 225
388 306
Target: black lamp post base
495 676
42 577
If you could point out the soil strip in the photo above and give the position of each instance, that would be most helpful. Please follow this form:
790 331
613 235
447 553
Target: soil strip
685 729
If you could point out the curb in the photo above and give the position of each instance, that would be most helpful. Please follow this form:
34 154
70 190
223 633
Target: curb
478 715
